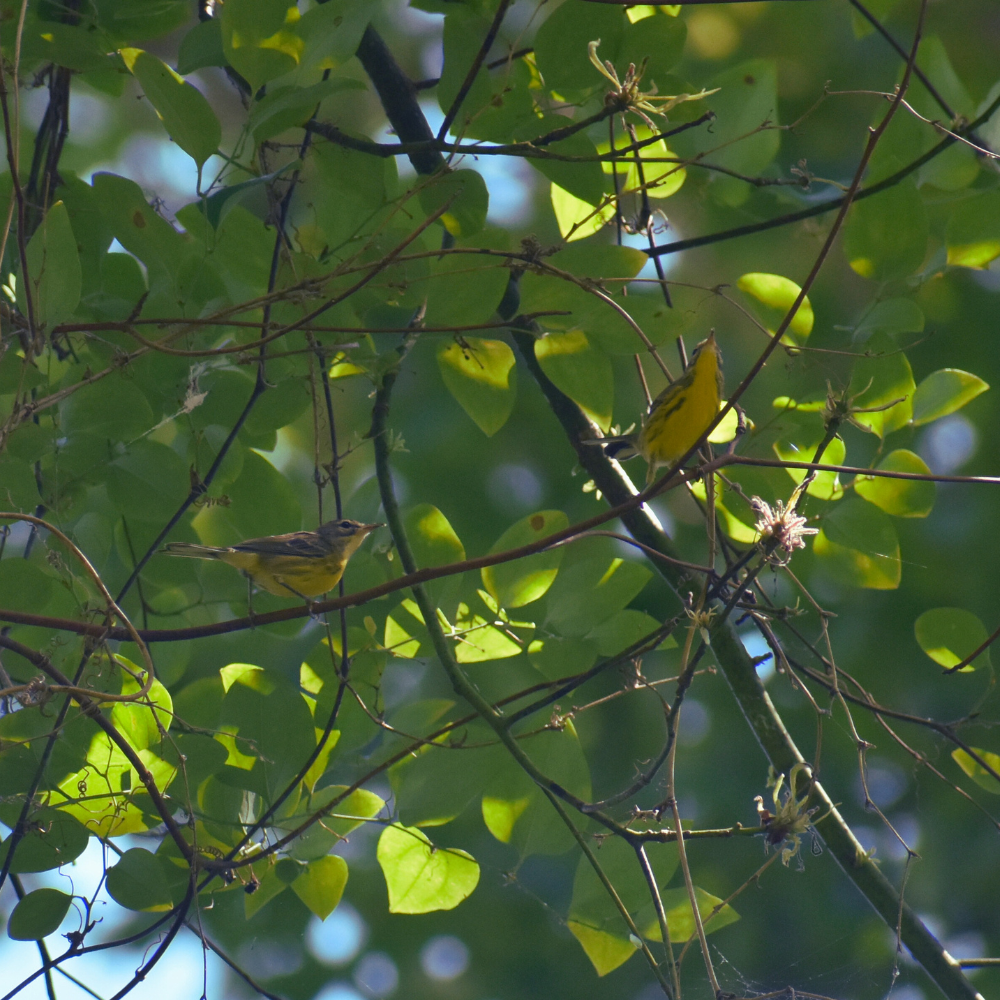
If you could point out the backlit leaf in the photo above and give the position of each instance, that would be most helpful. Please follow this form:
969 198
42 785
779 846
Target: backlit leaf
514 584
899 497
480 374
944 392
420 877
949 635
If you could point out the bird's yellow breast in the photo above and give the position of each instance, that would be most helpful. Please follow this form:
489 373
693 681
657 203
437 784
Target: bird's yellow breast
683 412
281 575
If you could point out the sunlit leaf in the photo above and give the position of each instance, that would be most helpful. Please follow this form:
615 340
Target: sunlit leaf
186 114
464 197
322 884
976 771
949 635
779 294
899 497
859 546
581 371
885 237
480 374
974 231
944 392
420 877
514 584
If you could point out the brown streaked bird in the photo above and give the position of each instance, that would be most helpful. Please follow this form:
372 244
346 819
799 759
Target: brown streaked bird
301 563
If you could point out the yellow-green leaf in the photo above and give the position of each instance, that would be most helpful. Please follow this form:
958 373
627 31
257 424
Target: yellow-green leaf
522 581
899 497
976 771
949 635
581 371
480 374
779 294
420 877
944 392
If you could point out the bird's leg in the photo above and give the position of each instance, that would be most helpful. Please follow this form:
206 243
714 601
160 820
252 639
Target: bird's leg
250 614
309 604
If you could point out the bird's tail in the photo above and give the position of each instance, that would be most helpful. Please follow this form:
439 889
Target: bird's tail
621 447
192 550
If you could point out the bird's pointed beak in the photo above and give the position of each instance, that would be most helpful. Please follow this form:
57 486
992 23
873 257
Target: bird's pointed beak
368 528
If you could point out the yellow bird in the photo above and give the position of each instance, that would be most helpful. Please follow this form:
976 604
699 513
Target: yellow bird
302 563
679 416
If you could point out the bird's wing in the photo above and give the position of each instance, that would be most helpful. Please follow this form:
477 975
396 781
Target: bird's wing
307 544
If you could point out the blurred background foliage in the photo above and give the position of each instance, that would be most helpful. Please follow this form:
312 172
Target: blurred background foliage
111 463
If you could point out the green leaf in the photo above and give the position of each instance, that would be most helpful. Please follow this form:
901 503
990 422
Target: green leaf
659 40
880 378
885 237
269 886
331 32
54 838
780 294
604 327
973 236
949 635
976 771
149 482
286 107
476 640
621 630
859 546
432 537
464 196
38 914
260 40
595 920
271 723
577 218
137 882
557 656
246 516
139 229
23 586
142 722
514 584
581 371
559 756
18 486
891 316
944 392
186 114
561 45
322 884
420 877
137 20
738 528
605 951
500 815
319 839
440 781
591 591
201 47
585 180
480 374
662 180
54 274
680 918
899 497
746 100
464 291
